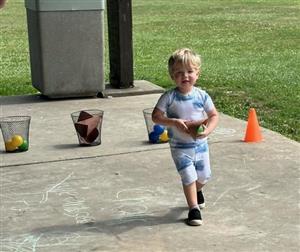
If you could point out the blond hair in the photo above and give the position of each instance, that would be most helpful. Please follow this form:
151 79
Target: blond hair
186 57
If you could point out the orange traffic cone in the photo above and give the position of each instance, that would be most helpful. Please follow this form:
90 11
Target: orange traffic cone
253 131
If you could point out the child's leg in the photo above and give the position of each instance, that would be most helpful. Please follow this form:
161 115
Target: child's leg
200 196
190 192
194 216
203 171
199 186
184 161
202 164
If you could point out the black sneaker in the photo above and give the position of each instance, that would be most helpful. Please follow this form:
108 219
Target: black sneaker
194 217
200 198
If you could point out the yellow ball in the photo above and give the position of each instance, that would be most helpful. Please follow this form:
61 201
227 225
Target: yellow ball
164 136
9 146
16 140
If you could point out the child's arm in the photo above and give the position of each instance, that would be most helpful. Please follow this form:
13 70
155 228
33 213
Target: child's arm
159 117
212 121
194 125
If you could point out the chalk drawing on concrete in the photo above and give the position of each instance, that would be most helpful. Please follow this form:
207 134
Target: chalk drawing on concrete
33 242
58 188
135 194
132 204
74 206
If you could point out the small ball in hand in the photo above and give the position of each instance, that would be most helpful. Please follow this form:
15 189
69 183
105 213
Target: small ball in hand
200 129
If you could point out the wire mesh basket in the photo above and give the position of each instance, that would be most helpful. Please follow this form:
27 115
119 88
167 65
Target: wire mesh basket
88 124
15 132
156 133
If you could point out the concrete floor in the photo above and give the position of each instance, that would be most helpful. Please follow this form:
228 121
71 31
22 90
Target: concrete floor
125 194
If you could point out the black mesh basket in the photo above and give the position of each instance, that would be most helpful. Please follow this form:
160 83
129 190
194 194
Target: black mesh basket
88 124
15 131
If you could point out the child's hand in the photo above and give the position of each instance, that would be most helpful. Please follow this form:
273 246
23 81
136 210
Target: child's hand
202 131
181 125
194 126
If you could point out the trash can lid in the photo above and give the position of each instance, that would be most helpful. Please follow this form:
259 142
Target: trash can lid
64 5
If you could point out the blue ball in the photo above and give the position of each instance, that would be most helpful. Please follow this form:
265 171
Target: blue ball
158 129
153 137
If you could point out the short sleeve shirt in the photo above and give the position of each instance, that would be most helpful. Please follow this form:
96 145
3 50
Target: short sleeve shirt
193 106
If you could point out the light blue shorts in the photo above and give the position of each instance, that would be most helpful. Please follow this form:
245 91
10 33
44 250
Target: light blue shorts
192 163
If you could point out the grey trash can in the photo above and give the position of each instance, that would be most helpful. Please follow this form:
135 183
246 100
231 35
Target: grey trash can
66 45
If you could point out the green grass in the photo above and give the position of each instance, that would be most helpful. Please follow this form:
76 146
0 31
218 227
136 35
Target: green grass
250 52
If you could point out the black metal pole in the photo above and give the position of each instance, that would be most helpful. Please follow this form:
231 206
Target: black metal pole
119 15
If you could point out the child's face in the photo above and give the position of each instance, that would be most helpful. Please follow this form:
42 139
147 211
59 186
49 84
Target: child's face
185 77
